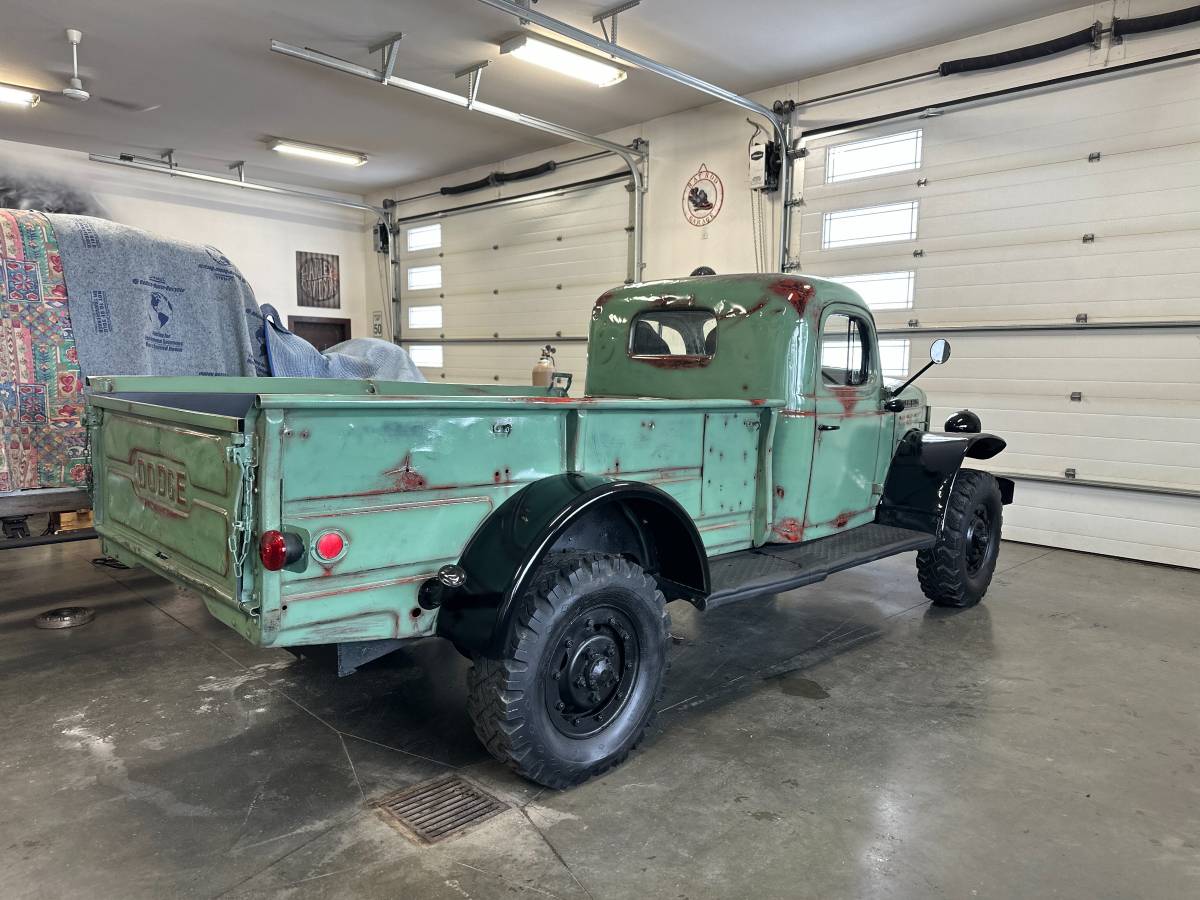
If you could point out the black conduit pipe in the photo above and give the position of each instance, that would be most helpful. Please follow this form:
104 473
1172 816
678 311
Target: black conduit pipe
1089 35
1142 24
1004 92
495 179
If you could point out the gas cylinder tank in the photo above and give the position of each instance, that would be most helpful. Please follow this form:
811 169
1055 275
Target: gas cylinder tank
543 369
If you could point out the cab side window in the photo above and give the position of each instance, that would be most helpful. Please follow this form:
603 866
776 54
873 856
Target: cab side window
845 351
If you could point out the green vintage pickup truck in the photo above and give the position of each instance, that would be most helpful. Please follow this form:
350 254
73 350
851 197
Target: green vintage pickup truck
737 439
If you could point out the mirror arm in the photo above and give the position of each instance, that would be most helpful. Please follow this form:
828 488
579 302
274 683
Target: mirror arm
925 368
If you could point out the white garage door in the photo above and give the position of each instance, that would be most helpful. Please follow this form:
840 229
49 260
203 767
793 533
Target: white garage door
482 291
1033 213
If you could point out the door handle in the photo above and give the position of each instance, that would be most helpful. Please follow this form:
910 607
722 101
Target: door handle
828 427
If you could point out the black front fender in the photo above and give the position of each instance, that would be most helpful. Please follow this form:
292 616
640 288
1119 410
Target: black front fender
922 474
568 512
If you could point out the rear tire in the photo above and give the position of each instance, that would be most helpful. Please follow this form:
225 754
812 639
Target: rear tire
957 569
581 674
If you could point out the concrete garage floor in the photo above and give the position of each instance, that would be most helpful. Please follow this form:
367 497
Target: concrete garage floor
840 741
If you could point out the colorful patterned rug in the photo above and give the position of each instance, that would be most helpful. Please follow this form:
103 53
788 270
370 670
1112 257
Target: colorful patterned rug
41 394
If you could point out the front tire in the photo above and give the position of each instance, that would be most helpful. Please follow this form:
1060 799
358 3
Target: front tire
581 672
958 568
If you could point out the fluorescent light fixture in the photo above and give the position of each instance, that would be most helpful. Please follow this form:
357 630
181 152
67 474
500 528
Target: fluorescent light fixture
314 151
19 96
563 59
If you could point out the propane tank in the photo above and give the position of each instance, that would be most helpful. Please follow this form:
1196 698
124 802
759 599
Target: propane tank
543 369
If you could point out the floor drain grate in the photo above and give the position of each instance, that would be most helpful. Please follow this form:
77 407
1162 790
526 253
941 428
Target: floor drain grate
434 810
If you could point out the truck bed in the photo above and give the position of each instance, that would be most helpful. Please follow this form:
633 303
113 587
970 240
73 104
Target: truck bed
189 473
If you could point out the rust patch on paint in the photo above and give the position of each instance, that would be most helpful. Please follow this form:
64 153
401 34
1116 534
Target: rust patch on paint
779 491
405 477
796 413
758 401
842 520
604 298
674 362
796 292
789 531
848 397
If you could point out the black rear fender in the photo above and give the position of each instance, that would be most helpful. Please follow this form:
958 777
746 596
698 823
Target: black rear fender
922 474
568 512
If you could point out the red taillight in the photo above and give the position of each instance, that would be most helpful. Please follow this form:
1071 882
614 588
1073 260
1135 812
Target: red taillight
273 550
329 546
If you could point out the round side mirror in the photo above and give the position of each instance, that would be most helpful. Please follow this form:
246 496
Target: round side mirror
939 351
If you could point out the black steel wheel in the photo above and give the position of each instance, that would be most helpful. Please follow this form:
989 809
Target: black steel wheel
957 569
581 674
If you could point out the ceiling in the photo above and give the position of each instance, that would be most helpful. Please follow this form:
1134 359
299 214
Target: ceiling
222 92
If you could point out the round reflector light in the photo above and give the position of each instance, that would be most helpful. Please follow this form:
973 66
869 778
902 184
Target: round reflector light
330 545
272 550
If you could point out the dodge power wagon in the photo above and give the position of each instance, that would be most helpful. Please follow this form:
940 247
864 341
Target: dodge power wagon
737 439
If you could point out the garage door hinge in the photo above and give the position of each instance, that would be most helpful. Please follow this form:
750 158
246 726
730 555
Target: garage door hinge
1089 238
1069 473
1094 157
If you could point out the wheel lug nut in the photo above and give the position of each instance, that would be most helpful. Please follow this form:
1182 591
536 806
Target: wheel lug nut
628 666
590 622
575 721
560 706
556 675
593 696
570 643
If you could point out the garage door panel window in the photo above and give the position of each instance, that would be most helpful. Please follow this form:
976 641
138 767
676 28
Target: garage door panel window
426 356
893 357
869 225
873 156
882 290
425 316
423 237
424 278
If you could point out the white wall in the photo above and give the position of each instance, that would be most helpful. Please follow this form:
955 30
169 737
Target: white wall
259 232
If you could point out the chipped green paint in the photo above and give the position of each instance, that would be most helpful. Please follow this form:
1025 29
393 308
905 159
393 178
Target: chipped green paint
405 473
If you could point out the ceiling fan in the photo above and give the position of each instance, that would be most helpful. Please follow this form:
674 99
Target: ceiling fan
75 89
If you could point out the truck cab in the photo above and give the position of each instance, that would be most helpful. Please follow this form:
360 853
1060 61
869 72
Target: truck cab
806 346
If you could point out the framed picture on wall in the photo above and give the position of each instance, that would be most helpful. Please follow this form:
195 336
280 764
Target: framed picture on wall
318 280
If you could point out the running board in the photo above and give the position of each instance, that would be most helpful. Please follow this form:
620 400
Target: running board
775 568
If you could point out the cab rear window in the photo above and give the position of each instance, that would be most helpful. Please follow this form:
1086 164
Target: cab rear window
673 332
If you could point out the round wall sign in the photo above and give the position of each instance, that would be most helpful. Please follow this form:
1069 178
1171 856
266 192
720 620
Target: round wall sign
702 197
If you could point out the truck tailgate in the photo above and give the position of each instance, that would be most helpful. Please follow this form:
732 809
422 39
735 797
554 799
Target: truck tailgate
171 488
